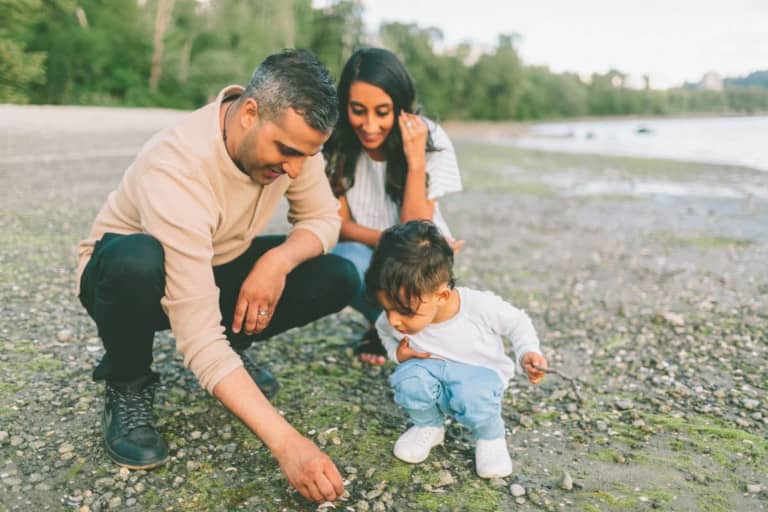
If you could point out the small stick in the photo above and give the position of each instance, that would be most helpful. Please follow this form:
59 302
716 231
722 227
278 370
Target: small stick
563 376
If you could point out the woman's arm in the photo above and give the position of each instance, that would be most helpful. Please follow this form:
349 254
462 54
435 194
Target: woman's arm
351 231
416 205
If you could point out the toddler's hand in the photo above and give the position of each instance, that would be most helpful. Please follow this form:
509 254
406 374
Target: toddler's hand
405 352
529 363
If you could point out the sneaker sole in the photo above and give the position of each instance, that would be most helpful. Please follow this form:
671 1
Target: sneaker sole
495 475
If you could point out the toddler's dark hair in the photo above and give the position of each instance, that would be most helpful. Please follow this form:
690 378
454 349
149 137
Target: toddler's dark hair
410 260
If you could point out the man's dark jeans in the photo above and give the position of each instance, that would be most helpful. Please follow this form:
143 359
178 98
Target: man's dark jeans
124 280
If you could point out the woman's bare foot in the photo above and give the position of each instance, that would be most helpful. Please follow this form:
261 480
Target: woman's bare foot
370 350
372 359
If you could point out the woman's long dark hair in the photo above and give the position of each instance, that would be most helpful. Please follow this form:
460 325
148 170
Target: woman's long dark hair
383 69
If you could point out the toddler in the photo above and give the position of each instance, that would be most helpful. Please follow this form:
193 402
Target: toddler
448 343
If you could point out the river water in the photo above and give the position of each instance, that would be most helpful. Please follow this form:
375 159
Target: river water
739 141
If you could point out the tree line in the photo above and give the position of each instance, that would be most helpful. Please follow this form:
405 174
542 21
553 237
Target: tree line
179 53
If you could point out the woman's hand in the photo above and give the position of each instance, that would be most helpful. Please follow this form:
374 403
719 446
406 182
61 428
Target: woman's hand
414 134
456 245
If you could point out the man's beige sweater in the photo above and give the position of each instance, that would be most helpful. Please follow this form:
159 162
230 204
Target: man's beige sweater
184 190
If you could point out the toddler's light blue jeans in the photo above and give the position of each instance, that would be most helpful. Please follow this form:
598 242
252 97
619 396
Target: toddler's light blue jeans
360 256
430 389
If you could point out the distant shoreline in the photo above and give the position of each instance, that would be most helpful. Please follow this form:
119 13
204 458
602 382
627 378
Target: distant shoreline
522 126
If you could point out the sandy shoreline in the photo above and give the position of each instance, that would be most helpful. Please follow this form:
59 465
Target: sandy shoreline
656 302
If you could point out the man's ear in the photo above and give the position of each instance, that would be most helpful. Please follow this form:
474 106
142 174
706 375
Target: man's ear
250 113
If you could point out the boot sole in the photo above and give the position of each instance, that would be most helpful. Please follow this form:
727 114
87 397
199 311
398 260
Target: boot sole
130 464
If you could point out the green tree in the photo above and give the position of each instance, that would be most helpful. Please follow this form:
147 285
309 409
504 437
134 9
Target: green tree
497 82
97 51
331 33
438 78
19 68
546 94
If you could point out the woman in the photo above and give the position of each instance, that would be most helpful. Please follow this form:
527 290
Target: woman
386 164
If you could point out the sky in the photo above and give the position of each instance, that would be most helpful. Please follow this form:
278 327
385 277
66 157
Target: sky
670 40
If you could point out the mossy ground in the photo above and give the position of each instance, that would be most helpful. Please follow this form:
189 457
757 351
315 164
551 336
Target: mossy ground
653 305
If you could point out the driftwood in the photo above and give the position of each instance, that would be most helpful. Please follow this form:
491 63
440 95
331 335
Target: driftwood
572 380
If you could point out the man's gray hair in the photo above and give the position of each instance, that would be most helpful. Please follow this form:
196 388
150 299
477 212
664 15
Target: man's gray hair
295 79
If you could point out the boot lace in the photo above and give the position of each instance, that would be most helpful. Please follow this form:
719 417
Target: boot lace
134 407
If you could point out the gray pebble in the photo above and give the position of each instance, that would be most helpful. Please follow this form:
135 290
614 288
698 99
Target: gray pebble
445 478
750 403
754 488
64 335
106 482
567 481
517 490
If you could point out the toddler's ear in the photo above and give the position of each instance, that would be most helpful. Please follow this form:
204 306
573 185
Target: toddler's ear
443 293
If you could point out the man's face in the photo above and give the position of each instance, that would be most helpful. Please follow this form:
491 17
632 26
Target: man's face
273 147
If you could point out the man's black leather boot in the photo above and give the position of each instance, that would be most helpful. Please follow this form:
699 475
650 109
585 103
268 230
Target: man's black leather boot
128 427
261 376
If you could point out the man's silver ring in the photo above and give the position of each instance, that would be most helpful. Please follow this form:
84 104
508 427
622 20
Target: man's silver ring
408 124
263 312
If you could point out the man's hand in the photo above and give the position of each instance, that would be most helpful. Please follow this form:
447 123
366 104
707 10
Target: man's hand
310 471
405 352
529 363
259 294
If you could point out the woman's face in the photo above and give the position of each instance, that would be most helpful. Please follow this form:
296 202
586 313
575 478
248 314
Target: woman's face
371 114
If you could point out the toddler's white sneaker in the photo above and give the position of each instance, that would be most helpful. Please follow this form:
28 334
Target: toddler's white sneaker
492 458
416 442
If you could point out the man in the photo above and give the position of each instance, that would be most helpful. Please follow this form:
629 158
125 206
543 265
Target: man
176 246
